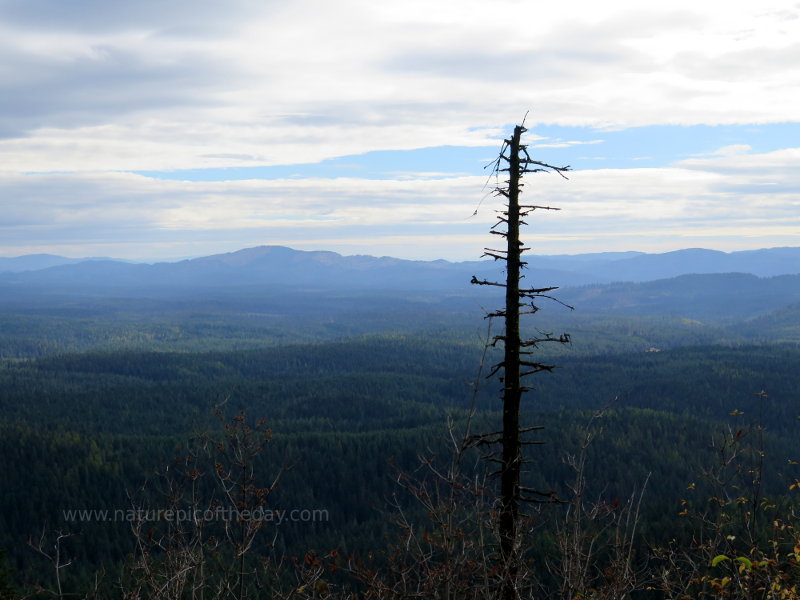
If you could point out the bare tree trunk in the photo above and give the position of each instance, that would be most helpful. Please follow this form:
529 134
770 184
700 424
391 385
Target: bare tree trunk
515 364
512 392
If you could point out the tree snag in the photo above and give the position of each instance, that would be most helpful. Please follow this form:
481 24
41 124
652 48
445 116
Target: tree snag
516 364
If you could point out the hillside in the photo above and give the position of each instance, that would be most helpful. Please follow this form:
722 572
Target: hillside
109 371
341 411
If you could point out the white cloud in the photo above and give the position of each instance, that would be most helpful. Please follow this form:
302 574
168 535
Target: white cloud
112 85
134 84
726 201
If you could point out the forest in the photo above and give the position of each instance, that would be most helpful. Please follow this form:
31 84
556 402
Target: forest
97 407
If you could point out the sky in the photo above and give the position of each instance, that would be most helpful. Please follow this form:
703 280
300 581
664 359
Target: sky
163 129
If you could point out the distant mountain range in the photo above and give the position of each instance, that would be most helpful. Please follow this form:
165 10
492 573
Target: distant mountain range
696 283
263 266
35 262
637 266
278 264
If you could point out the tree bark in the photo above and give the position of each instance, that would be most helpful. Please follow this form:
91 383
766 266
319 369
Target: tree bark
512 387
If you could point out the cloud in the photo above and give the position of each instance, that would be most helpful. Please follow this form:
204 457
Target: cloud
121 210
566 144
184 82
737 164
76 83
91 89
711 201
167 16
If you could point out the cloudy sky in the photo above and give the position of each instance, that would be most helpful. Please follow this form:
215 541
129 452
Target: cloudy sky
174 128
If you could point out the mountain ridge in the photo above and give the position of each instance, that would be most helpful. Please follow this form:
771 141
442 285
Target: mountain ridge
274 264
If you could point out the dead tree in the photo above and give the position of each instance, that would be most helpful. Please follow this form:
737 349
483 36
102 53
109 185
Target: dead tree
517 362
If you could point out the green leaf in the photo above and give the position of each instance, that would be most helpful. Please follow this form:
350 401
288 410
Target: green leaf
718 559
745 561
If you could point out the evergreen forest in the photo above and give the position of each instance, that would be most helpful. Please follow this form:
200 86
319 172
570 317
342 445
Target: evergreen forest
100 402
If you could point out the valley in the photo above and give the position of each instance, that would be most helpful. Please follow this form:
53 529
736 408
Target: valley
103 383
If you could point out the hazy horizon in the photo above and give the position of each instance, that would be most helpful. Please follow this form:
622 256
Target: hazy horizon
146 260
